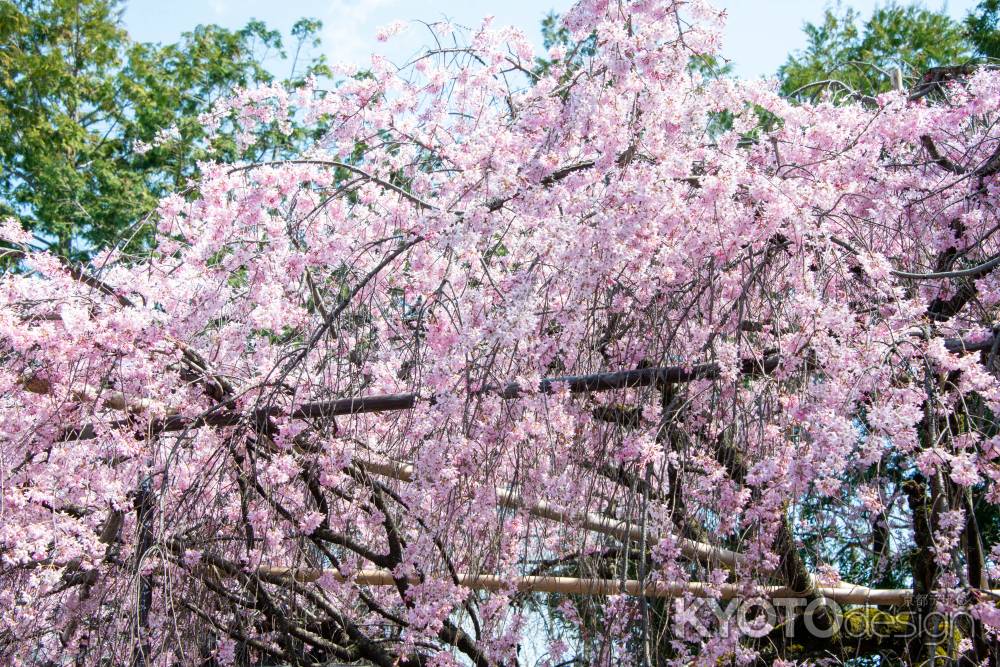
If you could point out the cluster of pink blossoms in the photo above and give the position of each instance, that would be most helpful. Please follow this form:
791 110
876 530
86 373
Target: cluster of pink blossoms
806 293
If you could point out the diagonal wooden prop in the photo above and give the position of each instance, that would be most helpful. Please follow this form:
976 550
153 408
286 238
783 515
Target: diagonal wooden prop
597 523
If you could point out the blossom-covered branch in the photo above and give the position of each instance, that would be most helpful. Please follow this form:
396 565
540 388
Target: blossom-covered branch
499 337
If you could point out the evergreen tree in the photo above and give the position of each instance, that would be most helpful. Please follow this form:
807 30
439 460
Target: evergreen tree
79 100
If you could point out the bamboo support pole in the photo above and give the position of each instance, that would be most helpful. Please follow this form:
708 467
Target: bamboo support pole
602 587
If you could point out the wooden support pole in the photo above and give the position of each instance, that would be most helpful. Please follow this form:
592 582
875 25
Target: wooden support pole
219 415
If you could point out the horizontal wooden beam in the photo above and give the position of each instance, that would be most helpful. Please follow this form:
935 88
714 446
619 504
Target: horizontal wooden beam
222 414
644 377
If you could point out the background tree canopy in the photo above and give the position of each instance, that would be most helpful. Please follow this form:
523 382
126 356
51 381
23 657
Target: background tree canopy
94 127
861 55
981 27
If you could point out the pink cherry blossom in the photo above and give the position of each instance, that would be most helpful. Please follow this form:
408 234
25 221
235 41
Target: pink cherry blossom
496 324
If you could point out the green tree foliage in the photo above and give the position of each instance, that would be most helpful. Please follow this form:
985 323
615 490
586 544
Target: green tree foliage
847 56
983 30
574 52
78 97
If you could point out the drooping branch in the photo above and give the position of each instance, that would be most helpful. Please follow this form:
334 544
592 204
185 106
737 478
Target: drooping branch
976 271
941 160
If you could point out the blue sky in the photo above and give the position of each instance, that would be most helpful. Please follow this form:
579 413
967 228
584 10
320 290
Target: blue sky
759 33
